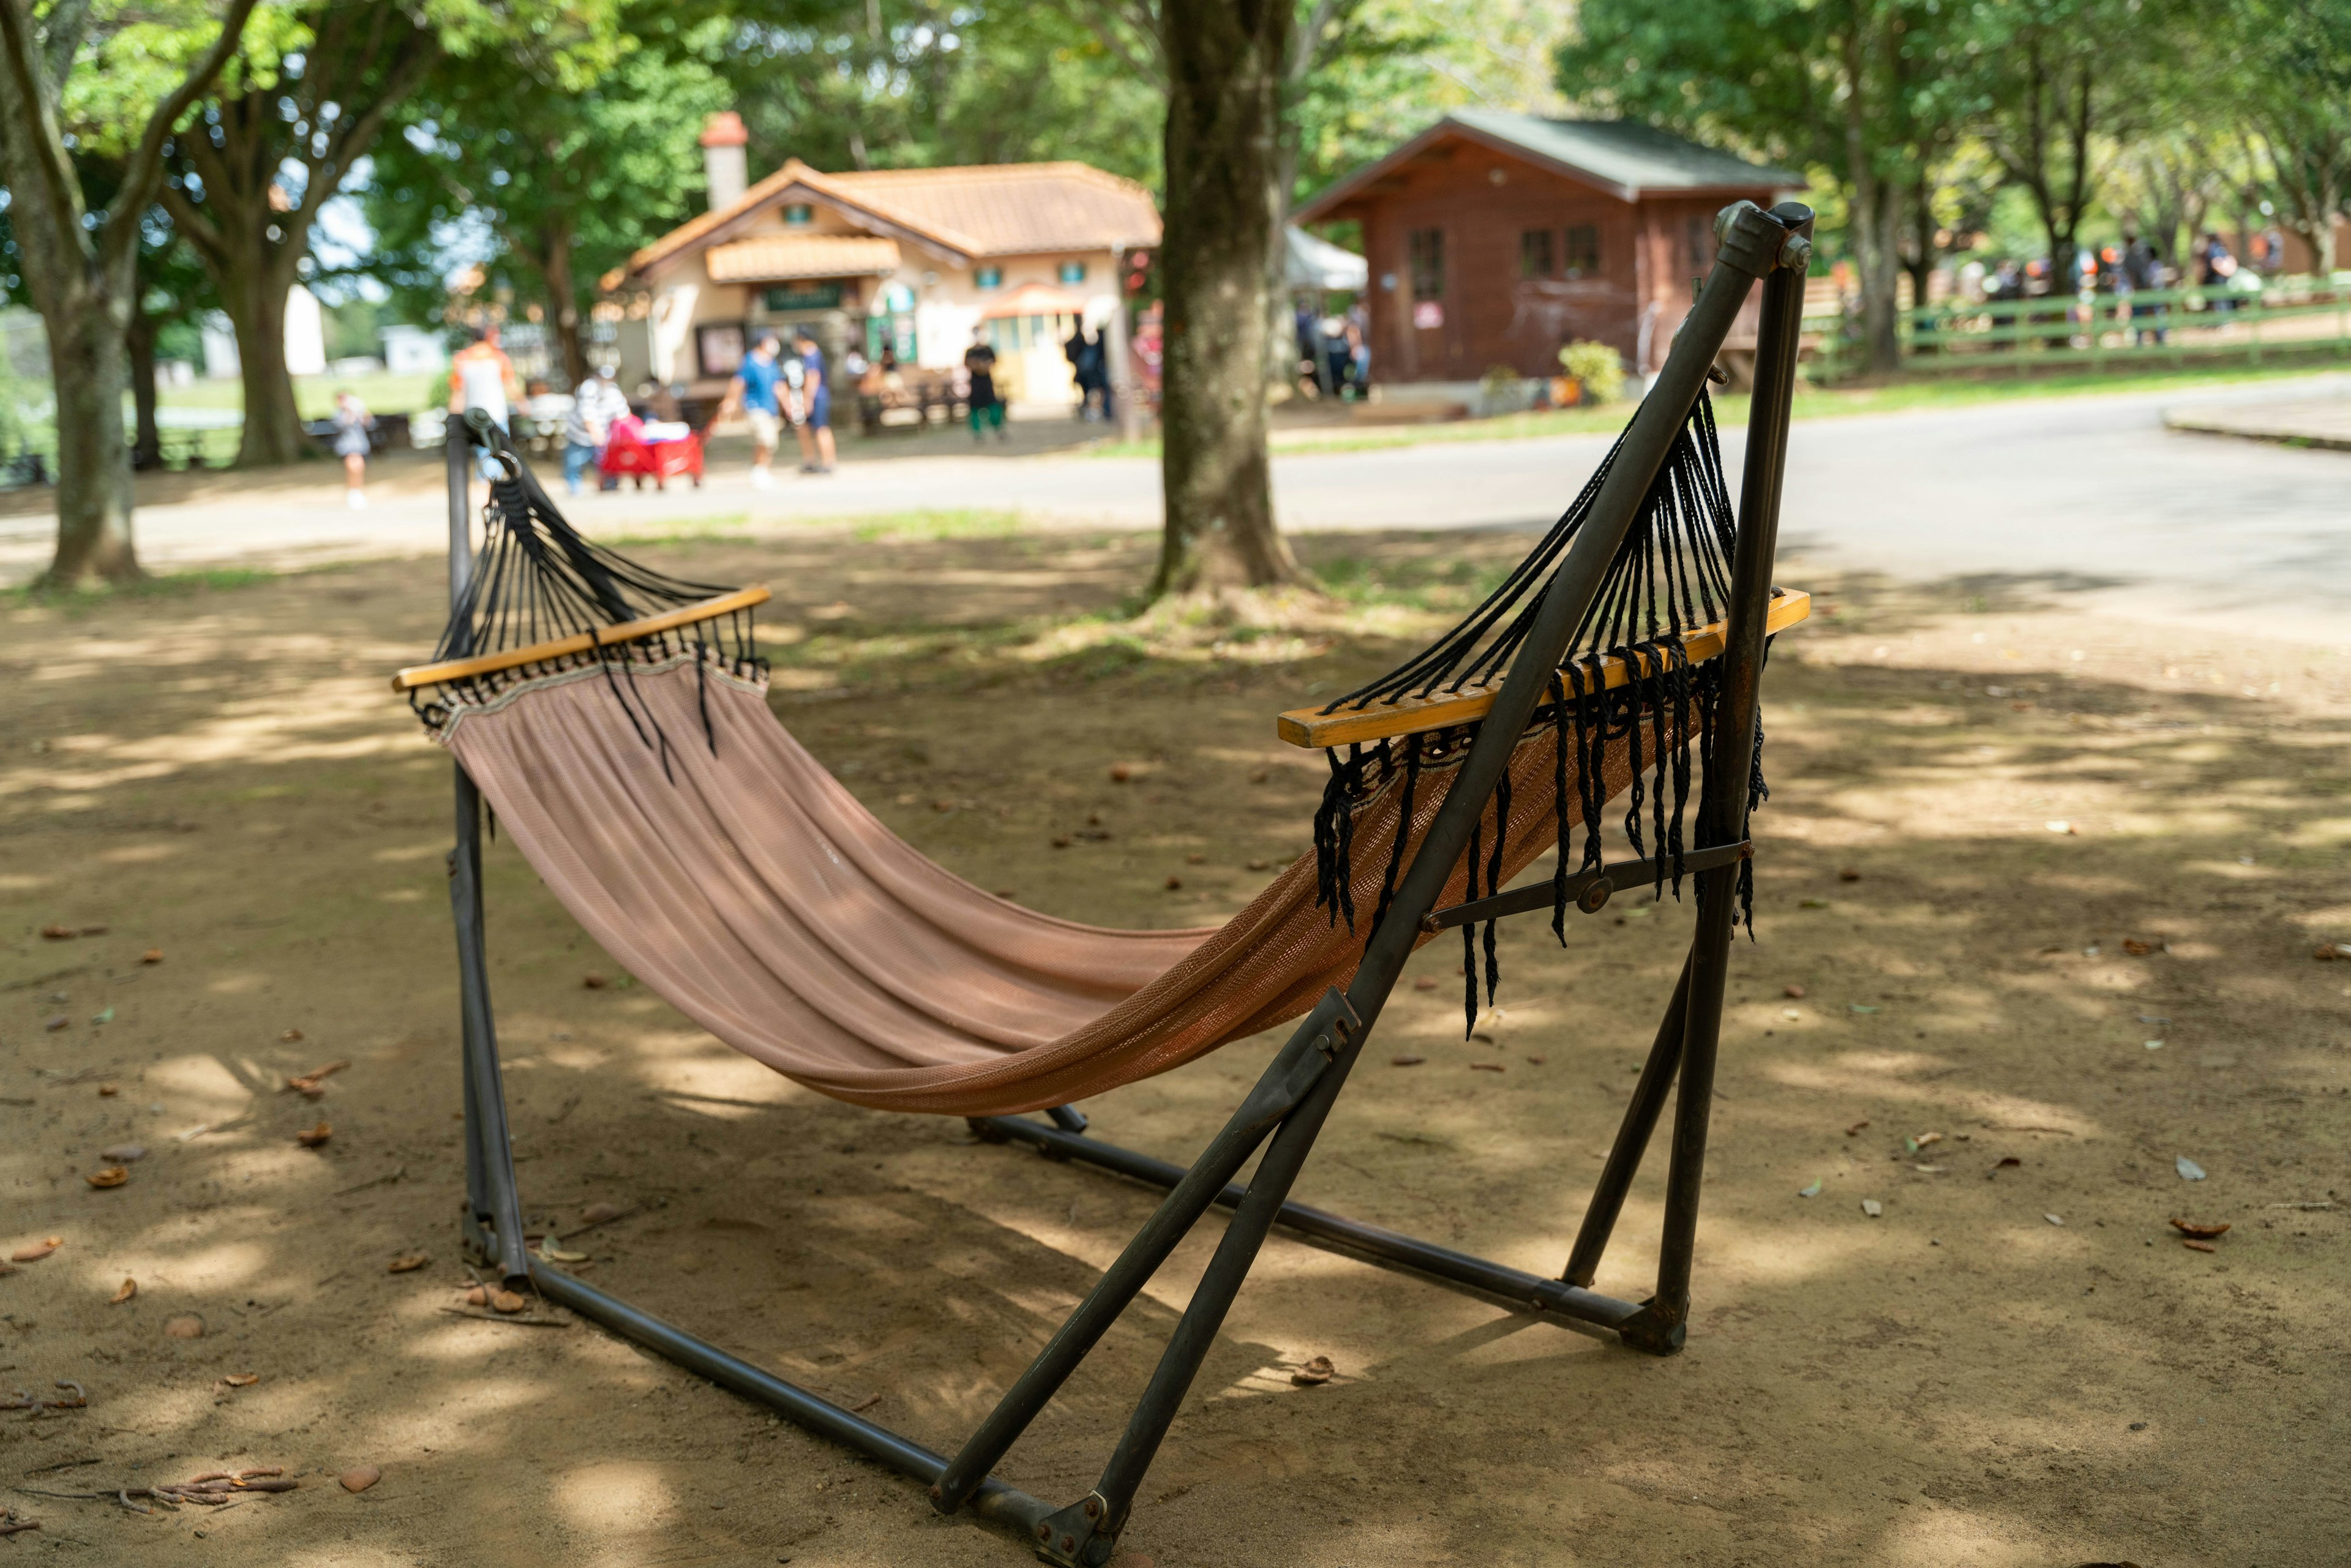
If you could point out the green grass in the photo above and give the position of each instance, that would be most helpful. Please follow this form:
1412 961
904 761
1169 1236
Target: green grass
934 524
1730 408
160 585
382 393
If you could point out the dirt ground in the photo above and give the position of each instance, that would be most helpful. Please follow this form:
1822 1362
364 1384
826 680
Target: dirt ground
2009 847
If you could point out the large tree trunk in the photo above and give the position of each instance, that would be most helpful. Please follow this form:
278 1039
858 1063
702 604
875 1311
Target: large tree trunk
254 298
563 305
1224 108
86 360
146 440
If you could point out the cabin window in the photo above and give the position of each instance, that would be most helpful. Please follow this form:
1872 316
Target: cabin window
1583 250
1072 272
988 278
1424 249
799 213
1534 253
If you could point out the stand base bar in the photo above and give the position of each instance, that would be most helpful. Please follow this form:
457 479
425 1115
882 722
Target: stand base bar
1425 1257
994 1501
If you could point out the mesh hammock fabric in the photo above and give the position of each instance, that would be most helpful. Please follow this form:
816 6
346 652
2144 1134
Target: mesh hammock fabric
650 785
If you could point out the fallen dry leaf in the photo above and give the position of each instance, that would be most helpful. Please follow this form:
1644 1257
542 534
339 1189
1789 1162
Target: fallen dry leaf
408 1262
1872 1207
130 1289
1258 865
310 1084
1793 993
1538 1061
59 933
1924 1139
123 1154
479 1296
108 1091
507 1301
592 981
2201 1233
57 1023
1485 1067
2137 948
1848 874
187 1325
2328 950
360 1477
2195 1246
1120 772
152 955
112 1175
315 1136
240 1379
1406 1061
289 1036
1174 883
2005 1161
33 1253
1854 1131
597 1213
1318 1370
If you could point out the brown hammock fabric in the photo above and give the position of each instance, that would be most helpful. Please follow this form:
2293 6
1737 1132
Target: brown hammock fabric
729 871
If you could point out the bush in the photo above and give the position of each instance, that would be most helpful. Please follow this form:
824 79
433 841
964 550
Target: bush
1597 367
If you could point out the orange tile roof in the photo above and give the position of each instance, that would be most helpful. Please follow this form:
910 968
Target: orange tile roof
777 257
1000 209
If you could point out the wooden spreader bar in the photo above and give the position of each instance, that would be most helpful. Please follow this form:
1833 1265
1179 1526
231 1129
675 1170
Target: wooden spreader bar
416 675
1315 729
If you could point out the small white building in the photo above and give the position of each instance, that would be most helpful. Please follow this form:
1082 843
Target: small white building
921 259
414 350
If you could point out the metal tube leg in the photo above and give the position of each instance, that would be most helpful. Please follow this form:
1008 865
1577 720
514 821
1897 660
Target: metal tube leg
1633 1137
1291 1076
1219 1283
487 1127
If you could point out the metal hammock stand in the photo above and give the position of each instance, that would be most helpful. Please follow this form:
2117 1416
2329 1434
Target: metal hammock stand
1286 1110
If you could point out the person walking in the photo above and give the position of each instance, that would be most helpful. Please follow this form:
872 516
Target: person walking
352 423
589 425
986 408
817 452
481 376
754 391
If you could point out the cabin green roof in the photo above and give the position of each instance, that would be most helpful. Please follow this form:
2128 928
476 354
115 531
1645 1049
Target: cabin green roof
1624 157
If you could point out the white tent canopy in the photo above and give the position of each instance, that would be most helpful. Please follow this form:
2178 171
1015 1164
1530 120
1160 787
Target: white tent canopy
1311 263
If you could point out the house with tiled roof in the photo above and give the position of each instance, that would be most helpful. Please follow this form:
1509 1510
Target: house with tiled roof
921 259
1495 239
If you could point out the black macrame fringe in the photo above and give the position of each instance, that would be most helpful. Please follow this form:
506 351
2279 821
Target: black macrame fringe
1670 575
537 579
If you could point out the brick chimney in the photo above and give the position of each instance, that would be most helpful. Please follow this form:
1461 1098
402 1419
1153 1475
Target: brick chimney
723 139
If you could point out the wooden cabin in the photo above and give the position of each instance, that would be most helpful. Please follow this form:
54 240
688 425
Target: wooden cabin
1494 239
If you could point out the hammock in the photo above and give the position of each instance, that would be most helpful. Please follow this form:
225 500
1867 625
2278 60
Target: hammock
616 719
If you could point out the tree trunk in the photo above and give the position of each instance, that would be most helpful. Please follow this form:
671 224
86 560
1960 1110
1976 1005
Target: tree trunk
254 298
1224 109
146 441
94 498
564 305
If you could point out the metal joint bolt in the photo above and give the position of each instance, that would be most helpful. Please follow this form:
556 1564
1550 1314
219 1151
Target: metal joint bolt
1796 253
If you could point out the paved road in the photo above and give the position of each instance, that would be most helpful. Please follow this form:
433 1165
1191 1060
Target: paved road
2087 496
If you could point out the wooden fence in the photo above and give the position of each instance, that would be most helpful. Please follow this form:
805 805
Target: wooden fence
2097 331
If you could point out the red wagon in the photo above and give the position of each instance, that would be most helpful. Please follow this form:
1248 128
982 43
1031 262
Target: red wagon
629 452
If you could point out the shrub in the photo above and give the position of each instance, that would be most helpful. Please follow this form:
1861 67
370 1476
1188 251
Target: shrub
1599 368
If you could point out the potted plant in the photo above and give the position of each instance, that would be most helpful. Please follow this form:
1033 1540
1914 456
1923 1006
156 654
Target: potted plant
1594 373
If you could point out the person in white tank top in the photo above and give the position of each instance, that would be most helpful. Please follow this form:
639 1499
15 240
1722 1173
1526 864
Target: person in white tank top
481 376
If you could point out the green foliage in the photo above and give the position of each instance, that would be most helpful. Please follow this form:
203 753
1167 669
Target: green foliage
1597 367
558 175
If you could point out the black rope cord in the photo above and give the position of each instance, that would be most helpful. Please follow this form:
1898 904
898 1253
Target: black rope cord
1670 575
537 579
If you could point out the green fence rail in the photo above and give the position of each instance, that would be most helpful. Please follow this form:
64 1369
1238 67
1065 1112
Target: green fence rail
2096 330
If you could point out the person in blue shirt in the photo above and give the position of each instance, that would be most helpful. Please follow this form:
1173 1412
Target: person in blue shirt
754 391
817 452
